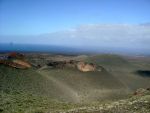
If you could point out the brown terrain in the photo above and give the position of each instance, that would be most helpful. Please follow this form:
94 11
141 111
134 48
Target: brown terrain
15 60
18 60
80 65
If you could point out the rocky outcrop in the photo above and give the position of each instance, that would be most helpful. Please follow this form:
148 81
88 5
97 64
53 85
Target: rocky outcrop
21 64
80 65
85 67
15 60
16 55
141 91
57 64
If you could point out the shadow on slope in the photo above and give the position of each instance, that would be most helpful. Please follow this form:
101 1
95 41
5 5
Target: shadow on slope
143 73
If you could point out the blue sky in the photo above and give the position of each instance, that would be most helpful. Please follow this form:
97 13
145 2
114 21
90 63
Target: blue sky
34 17
77 23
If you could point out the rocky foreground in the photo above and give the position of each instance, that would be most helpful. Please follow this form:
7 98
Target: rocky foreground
138 103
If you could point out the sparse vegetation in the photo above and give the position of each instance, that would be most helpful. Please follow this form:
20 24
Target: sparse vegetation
69 90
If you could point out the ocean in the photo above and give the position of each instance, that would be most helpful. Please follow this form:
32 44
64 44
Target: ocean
70 50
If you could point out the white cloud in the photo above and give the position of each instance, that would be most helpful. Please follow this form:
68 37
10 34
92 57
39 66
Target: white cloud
118 35
105 35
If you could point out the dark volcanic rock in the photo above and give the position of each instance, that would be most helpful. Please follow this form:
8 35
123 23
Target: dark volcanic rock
81 66
143 73
57 64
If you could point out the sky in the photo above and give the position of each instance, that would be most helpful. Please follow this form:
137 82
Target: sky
76 22
32 17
